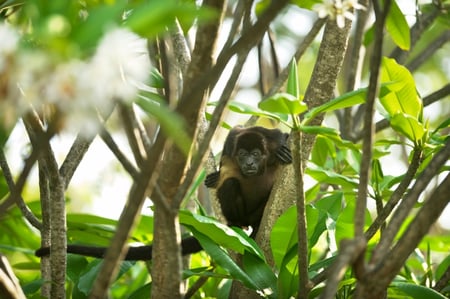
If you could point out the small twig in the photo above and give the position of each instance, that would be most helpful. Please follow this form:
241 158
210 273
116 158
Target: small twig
138 192
397 194
425 55
443 281
301 49
196 286
127 165
369 128
394 259
304 284
26 212
349 252
409 201
128 121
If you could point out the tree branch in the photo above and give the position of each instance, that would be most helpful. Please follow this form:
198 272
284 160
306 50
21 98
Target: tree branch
409 201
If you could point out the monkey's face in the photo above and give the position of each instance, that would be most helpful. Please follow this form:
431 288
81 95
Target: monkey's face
250 161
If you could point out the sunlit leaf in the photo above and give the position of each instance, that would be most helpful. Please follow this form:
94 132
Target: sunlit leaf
292 83
346 100
222 258
411 290
221 234
284 235
403 98
408 126
243 108
283 103
397 27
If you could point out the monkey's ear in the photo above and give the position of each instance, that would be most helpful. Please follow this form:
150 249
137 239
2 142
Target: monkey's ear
284 154
212 179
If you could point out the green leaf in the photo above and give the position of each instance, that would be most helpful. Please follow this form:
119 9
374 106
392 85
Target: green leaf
247 109
220 233
326 176
171 123
397 27
408 126
292 83
284 235
403 97
153 17
283 103
261 273
222 258
346 100
414 291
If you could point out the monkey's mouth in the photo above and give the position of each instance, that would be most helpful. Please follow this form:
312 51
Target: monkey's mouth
250 171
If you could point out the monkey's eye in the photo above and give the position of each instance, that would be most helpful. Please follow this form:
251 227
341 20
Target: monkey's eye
242 153
256 153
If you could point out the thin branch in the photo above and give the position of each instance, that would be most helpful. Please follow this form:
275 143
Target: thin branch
304 284
213 124
127 165
26 212
425 55
16 192
443 281
397 194
349 252
301 49
394 259
139 191
74 157
409 201
129 123
237 18
369 128
355 65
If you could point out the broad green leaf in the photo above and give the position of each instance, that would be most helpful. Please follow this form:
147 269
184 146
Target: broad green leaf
247 109
404 97
292 83
323 148
170 122
261 273
222 258
220 233
283 103
413 291
284 235
397 27
346 100
326 176
408 126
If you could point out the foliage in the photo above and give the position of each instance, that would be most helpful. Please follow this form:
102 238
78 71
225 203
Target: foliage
65 34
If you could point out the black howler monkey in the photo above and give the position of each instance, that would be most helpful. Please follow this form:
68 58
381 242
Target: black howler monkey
248 166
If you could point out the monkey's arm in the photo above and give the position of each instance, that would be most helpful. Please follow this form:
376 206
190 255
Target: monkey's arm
141 253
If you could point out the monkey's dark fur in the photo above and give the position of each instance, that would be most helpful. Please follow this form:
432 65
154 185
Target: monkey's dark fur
248 168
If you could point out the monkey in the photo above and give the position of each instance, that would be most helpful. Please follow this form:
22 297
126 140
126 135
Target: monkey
249 163
248 166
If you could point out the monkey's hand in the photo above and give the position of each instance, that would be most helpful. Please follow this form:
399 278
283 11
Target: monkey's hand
212 179
284 154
